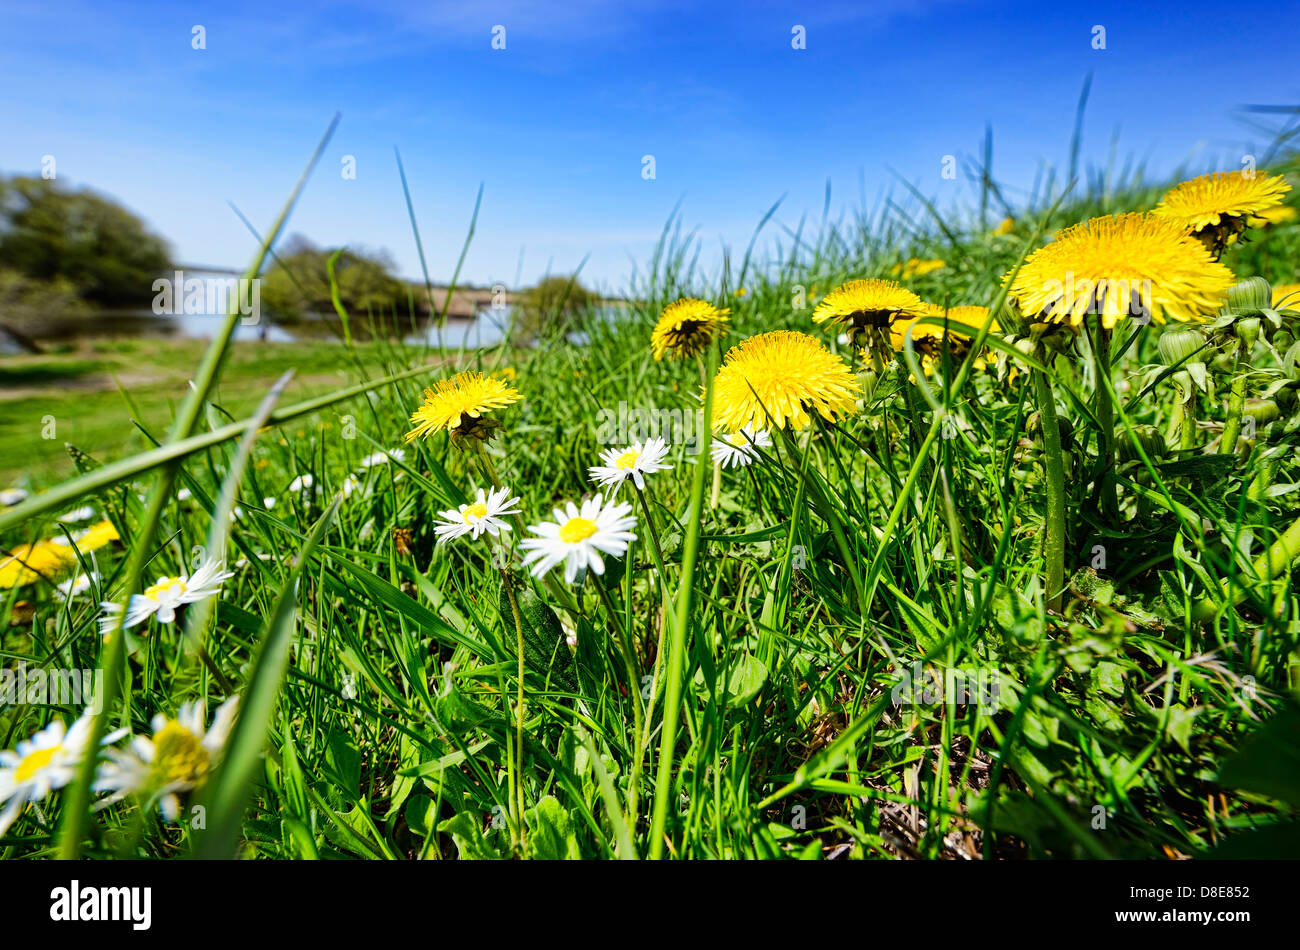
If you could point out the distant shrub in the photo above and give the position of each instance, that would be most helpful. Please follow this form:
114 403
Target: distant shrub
550 308
77 239
298 283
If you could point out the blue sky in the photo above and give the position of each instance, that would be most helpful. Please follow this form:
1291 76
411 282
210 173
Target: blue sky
555 126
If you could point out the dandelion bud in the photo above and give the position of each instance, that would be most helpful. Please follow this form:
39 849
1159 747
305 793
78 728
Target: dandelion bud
481 428
1034 428
1249 296
1247 331
1148 437
1262 411
1179 344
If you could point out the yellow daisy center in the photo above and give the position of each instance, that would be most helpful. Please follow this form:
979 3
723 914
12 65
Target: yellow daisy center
577 529
179 756
474 512
738 439
627 460
38 760
168 585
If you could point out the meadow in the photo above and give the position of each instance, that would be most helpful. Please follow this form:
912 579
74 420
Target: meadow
979 581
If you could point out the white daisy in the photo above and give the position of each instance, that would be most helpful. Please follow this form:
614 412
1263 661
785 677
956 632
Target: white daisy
169 593
350 484
579 536
268 503
178 757
302 482
184 495
41 764
383 458
84 513
11 496
78 584
739 448
63 540
635 462
483 515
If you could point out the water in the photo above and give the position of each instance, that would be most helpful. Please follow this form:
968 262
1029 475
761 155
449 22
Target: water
145 323
485 329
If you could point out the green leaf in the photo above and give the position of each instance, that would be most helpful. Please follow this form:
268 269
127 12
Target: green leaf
343 768
551 834
470 843
545 651
741 682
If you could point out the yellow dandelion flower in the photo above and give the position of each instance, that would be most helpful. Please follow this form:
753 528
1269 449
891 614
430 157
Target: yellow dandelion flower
687 327
780 377
1279 215
1119 266
463 399
741 291
1006 226
916 267
1287 295
863 304
505 372
97 536
930 340
1204 202
31 562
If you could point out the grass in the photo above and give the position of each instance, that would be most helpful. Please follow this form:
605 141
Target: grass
730 695
79 389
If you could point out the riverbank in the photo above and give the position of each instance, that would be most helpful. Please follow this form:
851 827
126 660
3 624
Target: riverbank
75 395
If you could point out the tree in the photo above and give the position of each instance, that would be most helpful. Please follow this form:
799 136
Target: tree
102 250
550 307
298 282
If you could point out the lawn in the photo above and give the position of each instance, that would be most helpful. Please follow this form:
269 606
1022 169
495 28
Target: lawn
99 394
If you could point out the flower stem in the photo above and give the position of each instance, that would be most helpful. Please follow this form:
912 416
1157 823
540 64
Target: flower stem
519 713
518 791
657 552
1236 406
1105 410
642 731
1187 422
633 685
675 663
1054 467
